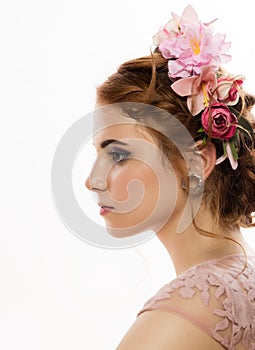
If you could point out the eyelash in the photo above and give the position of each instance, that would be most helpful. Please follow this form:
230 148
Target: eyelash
115 153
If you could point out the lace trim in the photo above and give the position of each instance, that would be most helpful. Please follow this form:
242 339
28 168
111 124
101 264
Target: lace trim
235 290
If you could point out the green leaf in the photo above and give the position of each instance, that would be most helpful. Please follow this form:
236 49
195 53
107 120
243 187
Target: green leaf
224 148
245 124
233 150
234 138
204 141
201 129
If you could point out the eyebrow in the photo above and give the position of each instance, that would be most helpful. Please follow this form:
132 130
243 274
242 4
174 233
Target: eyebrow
108 142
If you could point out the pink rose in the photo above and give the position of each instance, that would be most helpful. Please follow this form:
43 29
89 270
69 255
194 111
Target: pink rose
224 122
228 89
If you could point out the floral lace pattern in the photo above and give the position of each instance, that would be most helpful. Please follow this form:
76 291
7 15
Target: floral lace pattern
221 283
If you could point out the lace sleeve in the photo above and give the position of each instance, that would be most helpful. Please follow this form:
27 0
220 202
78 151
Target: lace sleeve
221 306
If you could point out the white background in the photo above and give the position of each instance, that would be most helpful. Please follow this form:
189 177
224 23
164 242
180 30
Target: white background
57 292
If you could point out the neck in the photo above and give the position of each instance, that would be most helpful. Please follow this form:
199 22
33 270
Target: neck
190 247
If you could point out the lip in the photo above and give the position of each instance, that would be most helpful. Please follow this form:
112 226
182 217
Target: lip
105 209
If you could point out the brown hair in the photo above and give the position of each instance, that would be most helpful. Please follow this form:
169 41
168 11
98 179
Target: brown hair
229 193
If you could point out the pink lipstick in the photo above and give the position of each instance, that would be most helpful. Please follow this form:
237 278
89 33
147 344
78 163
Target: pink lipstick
104 210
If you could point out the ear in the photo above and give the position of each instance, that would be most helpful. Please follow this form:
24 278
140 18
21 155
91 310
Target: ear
202 161
208 157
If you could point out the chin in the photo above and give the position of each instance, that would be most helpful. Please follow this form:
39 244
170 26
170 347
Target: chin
138 229
124 226
123 232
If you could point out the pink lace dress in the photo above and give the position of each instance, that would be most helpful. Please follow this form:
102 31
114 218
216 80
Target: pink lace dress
217 297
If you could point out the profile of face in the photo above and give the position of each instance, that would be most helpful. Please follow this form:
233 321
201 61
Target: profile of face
136 191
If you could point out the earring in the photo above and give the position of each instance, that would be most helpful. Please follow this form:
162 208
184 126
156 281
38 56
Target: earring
195 183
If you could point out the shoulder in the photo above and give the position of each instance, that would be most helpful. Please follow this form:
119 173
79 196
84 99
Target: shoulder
211 305
180 315
198 285
162 330
208 284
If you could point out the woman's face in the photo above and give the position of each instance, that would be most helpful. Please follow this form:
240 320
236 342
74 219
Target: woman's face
135 192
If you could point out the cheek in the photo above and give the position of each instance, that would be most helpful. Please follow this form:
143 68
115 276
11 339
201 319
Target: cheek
136 179
145 197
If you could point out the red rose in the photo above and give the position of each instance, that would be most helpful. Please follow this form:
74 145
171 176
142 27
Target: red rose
224 122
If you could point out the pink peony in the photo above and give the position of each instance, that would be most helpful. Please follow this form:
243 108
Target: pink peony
175 26
197 47
223 122
190 44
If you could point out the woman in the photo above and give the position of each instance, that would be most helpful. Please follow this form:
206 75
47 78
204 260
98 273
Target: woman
175 142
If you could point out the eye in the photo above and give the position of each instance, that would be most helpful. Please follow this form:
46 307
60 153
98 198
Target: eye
118 154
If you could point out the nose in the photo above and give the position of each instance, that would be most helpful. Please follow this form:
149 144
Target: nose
95 183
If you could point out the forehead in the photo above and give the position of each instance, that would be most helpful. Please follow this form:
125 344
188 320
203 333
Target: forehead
107 116
111 123
114 132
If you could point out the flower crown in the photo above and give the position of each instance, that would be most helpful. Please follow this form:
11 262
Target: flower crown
195 55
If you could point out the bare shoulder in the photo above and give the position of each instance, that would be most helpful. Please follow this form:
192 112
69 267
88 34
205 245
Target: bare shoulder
163 330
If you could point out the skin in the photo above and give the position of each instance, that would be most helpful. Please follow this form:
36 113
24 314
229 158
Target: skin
128 176
135 183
